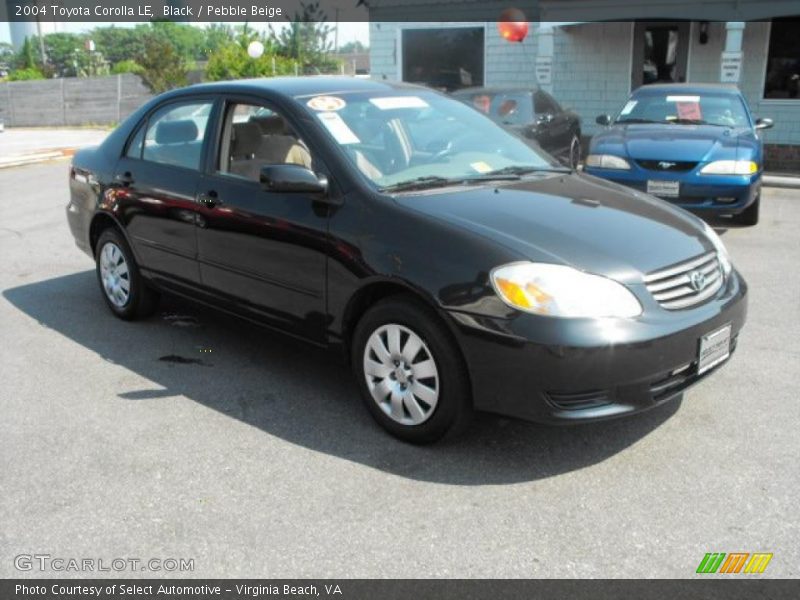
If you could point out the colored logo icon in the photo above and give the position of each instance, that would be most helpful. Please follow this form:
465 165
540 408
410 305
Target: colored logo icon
735 562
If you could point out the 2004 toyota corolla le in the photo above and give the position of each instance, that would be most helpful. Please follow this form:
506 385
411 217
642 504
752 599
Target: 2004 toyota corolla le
458 267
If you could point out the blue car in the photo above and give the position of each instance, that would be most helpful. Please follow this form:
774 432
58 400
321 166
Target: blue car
695 145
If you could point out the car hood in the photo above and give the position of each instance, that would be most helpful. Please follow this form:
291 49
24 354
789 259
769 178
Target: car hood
697 143
577 220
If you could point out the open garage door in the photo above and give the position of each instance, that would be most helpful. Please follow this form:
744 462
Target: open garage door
444 58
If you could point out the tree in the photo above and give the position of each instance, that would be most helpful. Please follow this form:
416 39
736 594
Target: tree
162 68
233 62
119 43
6 52
353 47
306 39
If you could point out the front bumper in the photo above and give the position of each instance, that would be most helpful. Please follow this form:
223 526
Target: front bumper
706 194
572 370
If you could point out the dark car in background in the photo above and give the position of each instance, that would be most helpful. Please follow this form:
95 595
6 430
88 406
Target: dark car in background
695 145
459 272
532 113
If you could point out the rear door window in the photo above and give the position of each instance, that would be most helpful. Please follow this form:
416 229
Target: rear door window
175 134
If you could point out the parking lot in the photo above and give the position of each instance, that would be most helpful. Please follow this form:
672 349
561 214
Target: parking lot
193 435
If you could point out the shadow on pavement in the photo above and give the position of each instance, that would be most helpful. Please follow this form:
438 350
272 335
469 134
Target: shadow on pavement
304 395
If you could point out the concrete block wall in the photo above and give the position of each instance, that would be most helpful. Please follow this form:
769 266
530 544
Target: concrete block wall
71 101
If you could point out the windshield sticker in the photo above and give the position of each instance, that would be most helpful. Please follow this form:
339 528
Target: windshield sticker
689 111
629 107
683 98
399 102
326 103
481 167
338 128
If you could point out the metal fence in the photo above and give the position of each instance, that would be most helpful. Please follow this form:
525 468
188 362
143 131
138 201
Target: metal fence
71 101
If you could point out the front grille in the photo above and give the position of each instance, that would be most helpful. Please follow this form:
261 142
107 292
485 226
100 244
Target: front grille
686 284
667 166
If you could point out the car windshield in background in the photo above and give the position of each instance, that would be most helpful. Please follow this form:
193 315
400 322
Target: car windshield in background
506 108
724 110
422 139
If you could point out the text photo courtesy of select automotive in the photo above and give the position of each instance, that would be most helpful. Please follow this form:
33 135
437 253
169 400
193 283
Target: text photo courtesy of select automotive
401 299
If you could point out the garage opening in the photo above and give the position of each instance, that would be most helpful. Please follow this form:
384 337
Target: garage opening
446 59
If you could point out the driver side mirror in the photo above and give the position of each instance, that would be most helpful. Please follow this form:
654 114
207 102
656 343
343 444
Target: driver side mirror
764 123
604 120
292 179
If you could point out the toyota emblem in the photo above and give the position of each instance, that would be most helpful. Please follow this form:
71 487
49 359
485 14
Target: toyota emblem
697 280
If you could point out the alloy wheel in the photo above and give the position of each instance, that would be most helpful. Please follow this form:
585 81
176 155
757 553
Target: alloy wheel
115 275
401 374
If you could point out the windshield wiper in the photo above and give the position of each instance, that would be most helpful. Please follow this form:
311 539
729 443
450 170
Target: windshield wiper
518 171
421 183
695 122
637 121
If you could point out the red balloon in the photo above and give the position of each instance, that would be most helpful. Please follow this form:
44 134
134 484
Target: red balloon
513 25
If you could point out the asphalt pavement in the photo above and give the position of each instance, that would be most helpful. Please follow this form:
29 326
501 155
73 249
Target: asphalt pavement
193 435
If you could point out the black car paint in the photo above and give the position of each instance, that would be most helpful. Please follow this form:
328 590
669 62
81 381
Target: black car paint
309 266
553 130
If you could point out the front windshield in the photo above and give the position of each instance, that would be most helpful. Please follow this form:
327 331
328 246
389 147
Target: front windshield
724 110
404 137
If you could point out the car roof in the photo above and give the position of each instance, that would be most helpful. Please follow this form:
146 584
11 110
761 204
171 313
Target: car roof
301 86
688 88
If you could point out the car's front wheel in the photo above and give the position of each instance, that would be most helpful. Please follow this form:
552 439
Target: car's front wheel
410 371
123 288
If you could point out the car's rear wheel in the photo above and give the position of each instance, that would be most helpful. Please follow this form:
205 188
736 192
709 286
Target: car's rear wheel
749 216
410 371
123 288
575 152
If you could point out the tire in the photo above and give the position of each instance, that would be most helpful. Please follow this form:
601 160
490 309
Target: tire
575 152
749 216
420 398
116 269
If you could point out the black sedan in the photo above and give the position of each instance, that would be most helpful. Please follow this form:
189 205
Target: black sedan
458 273
533 114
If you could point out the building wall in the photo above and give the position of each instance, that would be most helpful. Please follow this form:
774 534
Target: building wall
592 71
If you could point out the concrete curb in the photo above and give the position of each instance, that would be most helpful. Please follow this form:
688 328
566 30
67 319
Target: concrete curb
19 160
782 181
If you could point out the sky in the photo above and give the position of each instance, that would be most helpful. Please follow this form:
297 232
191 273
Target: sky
348 32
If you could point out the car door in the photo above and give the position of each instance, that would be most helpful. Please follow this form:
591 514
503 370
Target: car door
157 180
263 254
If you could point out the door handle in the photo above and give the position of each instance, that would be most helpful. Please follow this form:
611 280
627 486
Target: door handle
124 179
210 199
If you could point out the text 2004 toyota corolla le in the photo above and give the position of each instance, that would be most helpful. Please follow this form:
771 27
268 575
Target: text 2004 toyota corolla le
456 266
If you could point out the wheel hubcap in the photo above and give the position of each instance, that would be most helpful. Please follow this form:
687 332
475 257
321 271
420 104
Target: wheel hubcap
114 274
401 374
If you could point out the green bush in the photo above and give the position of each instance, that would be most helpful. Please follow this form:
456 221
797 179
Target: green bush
29 74
127 66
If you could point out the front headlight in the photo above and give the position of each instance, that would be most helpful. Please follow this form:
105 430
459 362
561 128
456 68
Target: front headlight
730 167
607 161
558 291
722 252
